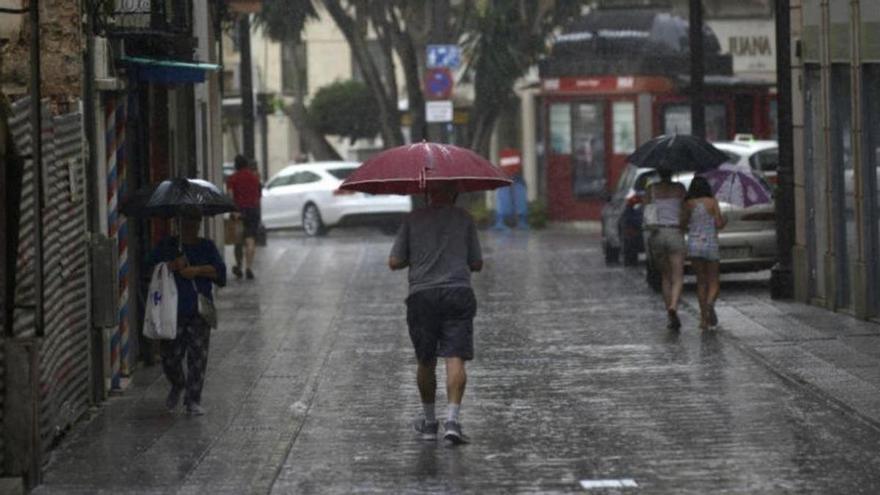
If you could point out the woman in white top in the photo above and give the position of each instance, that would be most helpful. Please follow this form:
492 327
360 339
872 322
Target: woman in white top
666 241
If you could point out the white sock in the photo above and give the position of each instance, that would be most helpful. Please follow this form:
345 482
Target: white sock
429 412
452 412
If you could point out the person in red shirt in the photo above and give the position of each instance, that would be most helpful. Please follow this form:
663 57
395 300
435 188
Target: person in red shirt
244 186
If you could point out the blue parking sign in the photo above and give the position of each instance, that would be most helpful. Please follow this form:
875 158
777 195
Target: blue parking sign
448 56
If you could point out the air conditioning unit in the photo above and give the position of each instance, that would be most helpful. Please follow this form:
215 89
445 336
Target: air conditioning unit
103 54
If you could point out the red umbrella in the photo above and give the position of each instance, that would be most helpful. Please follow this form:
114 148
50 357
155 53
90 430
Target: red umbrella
410 168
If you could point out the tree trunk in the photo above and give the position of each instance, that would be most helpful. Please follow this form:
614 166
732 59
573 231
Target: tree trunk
388 113
406 49
315 142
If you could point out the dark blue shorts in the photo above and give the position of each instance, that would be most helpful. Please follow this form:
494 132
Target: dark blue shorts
251 219
441 323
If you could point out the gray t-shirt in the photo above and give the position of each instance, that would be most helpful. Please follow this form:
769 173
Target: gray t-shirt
439 243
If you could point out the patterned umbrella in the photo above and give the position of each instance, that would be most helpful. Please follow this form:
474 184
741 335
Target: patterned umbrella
409 169
737 185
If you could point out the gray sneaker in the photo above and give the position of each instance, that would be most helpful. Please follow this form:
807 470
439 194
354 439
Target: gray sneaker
453 433
427 429
195 410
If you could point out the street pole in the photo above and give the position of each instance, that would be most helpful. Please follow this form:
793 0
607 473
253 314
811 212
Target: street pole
35 461
247 87
37 161
93 222
781 276
698 104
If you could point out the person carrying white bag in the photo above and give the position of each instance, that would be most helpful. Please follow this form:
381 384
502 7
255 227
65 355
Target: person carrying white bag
195 265
160 313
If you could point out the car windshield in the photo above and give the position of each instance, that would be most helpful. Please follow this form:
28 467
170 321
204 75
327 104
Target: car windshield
341 173
645 179
626 178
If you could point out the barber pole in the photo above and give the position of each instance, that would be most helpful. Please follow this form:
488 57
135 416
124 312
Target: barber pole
118 229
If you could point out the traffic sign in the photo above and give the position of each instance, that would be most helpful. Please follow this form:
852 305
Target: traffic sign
510 160
438 84
448 56
438 111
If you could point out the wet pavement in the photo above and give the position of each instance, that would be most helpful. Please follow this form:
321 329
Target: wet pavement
310 387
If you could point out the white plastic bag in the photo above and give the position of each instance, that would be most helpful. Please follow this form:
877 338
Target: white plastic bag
160 318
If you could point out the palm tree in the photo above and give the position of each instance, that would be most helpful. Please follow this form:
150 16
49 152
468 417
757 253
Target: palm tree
503 39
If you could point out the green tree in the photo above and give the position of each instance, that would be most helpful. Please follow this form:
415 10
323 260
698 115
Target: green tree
502 39
345 108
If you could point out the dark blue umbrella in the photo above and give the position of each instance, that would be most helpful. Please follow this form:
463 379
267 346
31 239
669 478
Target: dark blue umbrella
170 197
678 153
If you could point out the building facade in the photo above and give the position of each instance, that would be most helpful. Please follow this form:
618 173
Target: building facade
836 119
322 57
130 98
619 76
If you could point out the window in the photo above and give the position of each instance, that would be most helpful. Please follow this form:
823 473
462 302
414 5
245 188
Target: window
560 128
281 181
306 178
677 120
626 179
767 160
341 173
294 62
588 154
644 180
624 114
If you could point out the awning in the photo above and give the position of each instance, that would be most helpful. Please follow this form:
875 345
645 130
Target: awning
168 71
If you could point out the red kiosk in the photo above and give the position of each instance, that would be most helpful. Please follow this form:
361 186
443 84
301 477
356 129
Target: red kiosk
615 79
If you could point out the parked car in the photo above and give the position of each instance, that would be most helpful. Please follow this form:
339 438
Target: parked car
760 155
307 195
622 216
747 242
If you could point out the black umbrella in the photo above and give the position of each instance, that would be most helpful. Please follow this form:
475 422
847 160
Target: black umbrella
170 196
679 153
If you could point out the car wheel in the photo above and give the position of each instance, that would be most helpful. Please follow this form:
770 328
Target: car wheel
653 277
612 254
311 221
630 251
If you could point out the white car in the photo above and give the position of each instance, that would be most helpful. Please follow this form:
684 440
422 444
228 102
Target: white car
307 195
762 156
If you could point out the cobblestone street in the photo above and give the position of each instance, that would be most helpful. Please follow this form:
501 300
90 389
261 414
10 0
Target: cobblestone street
311 389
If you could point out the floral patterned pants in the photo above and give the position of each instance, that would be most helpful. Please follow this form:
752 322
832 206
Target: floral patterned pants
192 340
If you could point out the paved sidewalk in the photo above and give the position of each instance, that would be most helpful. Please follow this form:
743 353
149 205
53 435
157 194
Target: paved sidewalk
834 354
310 387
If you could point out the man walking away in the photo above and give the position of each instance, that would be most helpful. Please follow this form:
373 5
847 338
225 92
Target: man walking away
244 186
439 244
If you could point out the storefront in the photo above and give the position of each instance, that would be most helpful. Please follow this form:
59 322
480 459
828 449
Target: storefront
837 155
617 78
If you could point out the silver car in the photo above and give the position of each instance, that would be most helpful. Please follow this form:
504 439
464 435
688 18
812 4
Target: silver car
747 242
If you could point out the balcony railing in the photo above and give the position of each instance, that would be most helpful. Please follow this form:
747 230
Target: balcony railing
120 17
